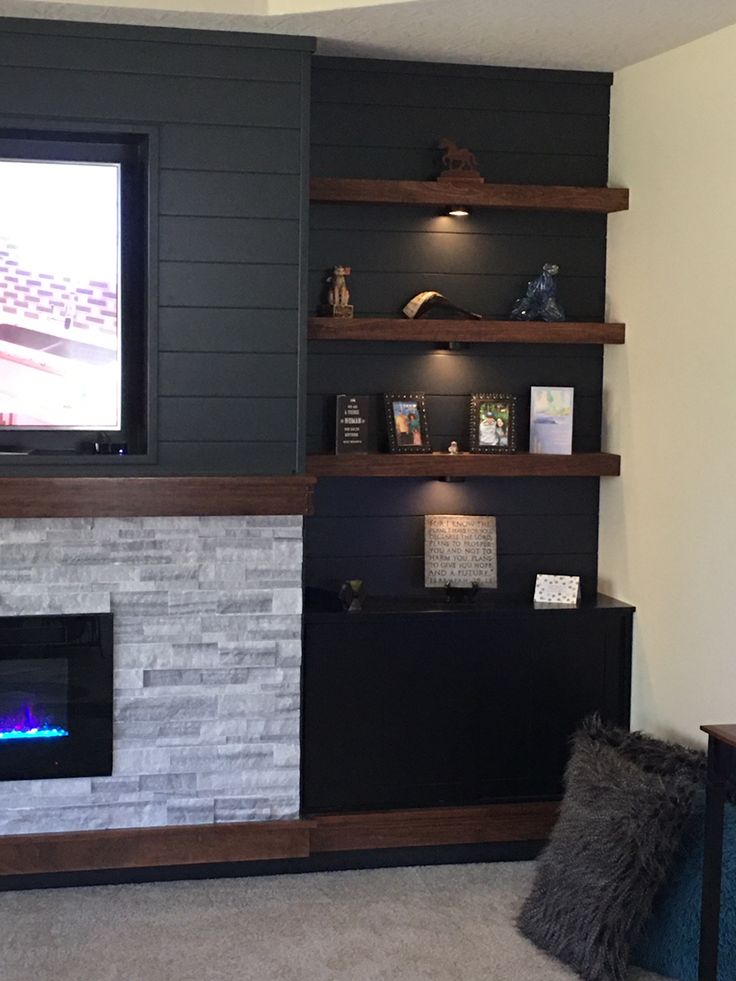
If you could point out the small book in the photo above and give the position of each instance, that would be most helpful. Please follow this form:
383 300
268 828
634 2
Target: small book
550 420
351 430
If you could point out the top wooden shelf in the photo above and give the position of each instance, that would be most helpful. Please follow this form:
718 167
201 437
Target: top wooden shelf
463 331
445 194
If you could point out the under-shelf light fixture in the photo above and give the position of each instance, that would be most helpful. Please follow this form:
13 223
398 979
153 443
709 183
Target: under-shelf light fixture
459 211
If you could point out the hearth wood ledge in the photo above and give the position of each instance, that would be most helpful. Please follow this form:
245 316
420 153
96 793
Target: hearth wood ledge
183 845
127 497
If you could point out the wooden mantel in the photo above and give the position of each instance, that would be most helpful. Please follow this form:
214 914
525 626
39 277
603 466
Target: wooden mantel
125 497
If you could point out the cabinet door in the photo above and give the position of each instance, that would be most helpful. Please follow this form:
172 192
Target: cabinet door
408 712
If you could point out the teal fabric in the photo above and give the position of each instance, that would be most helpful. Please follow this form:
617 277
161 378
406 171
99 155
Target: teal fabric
670 940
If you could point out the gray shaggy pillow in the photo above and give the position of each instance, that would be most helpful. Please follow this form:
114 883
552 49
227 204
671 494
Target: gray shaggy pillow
627 800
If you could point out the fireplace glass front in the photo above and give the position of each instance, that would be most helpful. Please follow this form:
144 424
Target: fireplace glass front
55 696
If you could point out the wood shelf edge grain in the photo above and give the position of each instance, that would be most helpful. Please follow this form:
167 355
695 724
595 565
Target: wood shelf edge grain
463 331
723 733
136 848
93 497
464 465
446 193
434 826
153 847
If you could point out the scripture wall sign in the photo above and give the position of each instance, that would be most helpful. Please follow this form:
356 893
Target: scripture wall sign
460 550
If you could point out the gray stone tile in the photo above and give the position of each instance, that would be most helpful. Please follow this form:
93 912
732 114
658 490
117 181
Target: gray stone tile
239 784
192 810
116 785
187 707
149 759
254 678
169 783
146 603
287 601
247 601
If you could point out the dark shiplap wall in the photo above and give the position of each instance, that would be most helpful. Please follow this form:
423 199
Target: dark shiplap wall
231 114
382 120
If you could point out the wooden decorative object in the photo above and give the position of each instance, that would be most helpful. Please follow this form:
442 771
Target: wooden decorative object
459 162
338 294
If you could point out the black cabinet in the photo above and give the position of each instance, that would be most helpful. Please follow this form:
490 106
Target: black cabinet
426 705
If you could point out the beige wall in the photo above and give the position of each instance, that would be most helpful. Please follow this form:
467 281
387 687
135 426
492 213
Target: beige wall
668 525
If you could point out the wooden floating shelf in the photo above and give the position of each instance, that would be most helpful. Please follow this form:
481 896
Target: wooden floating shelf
95 497
463 331
444 194
464 465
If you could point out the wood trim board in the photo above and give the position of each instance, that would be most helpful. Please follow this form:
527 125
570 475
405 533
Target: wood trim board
94 497
266 840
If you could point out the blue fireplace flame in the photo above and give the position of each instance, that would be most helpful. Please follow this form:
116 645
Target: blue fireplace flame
26 724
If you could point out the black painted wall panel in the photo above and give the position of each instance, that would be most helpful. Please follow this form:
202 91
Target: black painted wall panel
524 127
230 113
222 148
243 331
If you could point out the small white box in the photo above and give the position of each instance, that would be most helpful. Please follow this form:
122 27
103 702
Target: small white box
557 590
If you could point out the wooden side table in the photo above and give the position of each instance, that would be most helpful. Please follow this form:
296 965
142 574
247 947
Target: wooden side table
721 767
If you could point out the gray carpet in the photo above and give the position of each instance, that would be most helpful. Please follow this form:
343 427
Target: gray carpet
446 923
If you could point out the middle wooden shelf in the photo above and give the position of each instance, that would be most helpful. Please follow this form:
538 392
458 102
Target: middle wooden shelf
463 465
463 331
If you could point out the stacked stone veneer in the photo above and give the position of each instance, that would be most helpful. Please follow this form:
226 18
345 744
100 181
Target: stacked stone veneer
207 648
28 297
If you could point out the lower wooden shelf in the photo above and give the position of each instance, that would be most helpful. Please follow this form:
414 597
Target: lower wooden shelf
464 465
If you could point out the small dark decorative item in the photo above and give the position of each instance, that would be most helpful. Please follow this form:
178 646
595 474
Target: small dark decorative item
492 423
540 300
351 595
420 305
461 594
459 163
406 418
338 295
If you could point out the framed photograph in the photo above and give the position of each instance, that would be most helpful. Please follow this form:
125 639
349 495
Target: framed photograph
492 423
406 419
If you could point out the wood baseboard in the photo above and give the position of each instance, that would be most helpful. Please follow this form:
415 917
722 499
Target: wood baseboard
434 826
136 848
132 848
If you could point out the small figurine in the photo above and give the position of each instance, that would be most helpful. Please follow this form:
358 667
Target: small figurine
453 448
540 300
338 294
351 595
459 163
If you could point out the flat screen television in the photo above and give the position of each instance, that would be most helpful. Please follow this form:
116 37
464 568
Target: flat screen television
72 301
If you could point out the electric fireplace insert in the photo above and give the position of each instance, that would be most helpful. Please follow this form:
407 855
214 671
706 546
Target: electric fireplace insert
55 696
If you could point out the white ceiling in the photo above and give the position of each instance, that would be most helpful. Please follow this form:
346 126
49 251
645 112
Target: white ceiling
600 35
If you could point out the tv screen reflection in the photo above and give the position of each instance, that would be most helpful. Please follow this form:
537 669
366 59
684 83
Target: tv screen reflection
59 295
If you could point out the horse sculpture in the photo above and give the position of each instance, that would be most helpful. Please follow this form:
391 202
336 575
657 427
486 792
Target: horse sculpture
456 158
